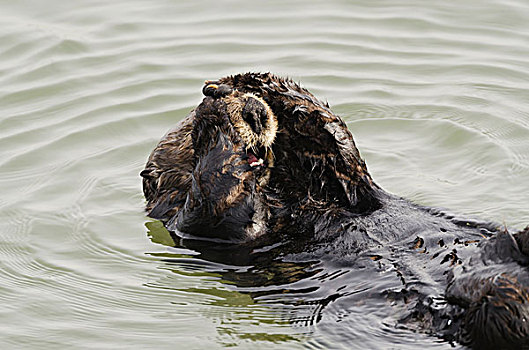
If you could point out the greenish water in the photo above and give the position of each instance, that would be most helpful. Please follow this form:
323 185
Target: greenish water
435 93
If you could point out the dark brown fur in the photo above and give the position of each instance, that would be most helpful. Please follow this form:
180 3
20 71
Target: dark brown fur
198 181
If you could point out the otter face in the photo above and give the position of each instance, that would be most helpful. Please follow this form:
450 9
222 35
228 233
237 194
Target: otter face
253 120
256 124
232 135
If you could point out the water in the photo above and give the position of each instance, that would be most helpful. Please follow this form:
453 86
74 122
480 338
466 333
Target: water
436 95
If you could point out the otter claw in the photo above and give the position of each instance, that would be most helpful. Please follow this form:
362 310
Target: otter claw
216 90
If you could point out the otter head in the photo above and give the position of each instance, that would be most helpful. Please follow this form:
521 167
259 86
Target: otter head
232 137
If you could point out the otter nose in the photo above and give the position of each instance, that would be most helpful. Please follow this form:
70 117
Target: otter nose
254 113
254 122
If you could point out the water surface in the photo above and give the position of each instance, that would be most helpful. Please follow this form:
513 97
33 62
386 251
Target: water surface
436 95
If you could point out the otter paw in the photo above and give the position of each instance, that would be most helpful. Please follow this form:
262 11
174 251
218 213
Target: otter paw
215 90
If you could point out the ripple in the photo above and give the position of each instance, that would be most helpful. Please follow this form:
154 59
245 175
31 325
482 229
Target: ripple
437 101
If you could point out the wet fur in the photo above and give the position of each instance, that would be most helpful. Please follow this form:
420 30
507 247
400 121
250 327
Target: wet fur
320 195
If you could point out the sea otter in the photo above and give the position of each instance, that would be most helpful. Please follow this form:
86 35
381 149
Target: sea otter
261 156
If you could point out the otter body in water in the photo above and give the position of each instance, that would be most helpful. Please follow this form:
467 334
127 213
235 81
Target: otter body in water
262 157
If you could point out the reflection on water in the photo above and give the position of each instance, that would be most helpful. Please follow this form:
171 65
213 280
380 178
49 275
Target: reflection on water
435 94
308 297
